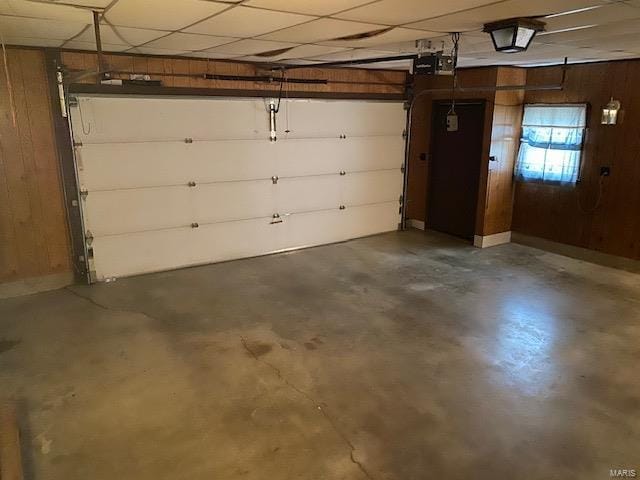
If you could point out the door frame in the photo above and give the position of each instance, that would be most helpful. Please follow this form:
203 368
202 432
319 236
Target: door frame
434 104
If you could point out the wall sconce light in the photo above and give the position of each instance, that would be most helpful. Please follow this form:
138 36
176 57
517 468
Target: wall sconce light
610 112
513 35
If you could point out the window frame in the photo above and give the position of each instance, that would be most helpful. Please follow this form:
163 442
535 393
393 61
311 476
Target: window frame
587 107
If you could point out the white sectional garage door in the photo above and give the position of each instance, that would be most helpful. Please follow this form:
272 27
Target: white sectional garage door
170 182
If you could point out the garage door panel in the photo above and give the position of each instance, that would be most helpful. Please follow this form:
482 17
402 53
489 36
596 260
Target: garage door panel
121 165
133 119
227 241
296 157
233 201
309 157
173 182
127 211
308 193
132 254
373 153
330 118
371 219
232 160
131 165
308 229
371 187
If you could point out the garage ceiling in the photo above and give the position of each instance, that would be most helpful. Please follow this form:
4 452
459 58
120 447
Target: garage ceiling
310 31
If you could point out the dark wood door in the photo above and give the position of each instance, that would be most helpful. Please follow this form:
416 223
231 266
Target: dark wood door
454 170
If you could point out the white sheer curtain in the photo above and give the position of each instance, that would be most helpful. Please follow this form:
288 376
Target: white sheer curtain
551 144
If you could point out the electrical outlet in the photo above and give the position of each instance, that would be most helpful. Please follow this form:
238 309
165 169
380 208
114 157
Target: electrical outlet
605 171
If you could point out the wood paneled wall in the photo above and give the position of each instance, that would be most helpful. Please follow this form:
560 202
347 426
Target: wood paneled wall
501 137
33 230
356 80
505 142
566 214
420 142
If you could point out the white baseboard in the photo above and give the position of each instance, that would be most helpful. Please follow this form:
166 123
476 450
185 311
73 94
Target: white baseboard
32 285
419 224
492 240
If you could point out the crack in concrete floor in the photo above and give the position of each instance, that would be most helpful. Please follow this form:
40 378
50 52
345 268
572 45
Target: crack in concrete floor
276 370
315 403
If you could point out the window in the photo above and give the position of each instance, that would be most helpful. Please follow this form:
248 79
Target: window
551 144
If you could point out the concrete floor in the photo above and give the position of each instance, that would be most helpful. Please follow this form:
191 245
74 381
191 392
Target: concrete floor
401 356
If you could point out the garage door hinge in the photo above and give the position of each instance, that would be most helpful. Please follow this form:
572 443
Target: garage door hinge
188 140
77 144
84 193
88 238
401 200
73 101
404 134
275 179
402 168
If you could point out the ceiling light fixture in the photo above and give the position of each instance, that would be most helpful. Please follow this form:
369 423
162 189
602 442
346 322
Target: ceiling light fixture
513 35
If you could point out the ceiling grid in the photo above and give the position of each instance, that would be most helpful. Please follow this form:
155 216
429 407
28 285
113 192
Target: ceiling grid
308 31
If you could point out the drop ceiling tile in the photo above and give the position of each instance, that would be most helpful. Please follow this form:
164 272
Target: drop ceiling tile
161 15
159 51
188 41
250 47
317 7
31 41
211 55
39 28
394 65
88 3
247 22
23 8
354 54
320 30
121 35
91 46
305 51
629 42
600 15
389 12
432 44
298 61
392 36
474 19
